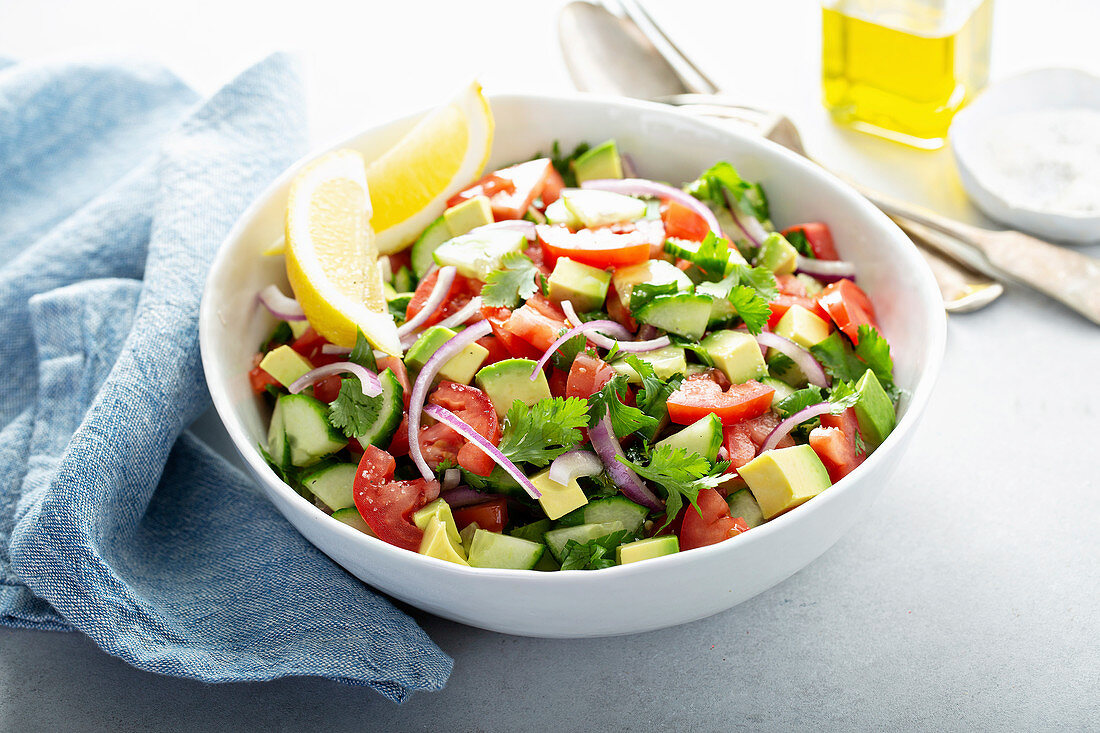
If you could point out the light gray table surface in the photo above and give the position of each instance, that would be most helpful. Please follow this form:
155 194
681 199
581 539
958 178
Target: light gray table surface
967 598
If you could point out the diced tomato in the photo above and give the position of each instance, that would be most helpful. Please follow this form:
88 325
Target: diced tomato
551 190
462 289
258 378
618 311
399 445
790 285
400 259
759 428
697 397
835 443
310 345
711 524
440 443
739 446
489 515
326 389
587 376
397 366
386 505
596 247
558 380
516 346
537 256
683 223
783 303
848 306
355 448
651 230
535 325
510 190
496 349
820 239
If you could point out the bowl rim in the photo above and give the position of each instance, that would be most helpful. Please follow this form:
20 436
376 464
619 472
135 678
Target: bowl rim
933 351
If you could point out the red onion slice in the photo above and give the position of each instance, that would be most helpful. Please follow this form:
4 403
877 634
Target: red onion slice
753 230
643 187
569 466
612 327
449 419
368 380
587 328
608 449
335 350
629 169
784 428
451 478
443 354
802 358
435 299
828 270
280 305
464 496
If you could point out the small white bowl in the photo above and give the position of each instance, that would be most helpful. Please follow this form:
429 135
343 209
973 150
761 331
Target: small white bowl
666 145
1043 89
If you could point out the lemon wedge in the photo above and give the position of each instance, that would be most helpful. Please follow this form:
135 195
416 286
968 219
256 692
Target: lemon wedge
442 154
331 257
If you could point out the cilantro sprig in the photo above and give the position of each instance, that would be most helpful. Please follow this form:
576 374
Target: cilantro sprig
517 279
594 554
352 411
540 433
363 353
845 364
653 396
723 177
681 474
624 418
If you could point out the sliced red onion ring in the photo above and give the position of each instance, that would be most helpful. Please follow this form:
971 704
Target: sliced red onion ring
802 358
643 187
280 305
825 269
647 331
587 328
335 350
449 419
608 449
569 466
435 299
519 225
629 169
464 314
368 380
723 454
753 230
451 479
612 327
784 428
423 382
464 496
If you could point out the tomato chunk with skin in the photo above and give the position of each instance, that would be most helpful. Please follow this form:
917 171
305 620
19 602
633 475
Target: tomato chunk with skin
535 326
551 189
619 312
489 515
511 190
515 346
328 388
683 223
397 366
601 248
835 443
783 302
258 378
439 443
587 376
386 505
819 237
459 294
848 306
711 524
698 397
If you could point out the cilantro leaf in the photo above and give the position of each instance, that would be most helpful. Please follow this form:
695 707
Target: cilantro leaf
624 418
567 352
644 293
874 350
845 364
798 240
798 400
681 474
593 555
540 433
722 177
281 335
712 256
562 163
362 353
692 346
760 279
517 279
399 307
843 395
751 307
352 411
838 359
653 396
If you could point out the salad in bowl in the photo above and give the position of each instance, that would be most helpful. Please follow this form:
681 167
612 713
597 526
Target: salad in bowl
568 366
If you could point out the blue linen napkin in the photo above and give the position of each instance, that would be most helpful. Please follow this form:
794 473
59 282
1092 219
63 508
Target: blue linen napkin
116 187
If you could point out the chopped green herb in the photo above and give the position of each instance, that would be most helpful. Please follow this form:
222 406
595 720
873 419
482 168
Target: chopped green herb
516 280
681 474
624 418
594 554
362 353
540 433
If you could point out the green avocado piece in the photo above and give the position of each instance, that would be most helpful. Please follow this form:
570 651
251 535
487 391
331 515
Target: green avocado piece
495 550
470 214
703 436
557 500
874 410
777 254
652 272
441 510
582 285
647 549
353 518
782 478
285 364
510 380
736 353
602 161
665 362
461 368
802 327
477 254
742 504
438 543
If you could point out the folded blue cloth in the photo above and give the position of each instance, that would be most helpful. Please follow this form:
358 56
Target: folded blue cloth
116 187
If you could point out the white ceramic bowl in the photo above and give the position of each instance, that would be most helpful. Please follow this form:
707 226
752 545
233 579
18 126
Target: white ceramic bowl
665 145
1042 89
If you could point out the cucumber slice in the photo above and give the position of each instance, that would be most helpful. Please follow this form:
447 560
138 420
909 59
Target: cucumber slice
353 518
599 208
494 550
477 254
703 436
612 509
391 405
685 314
277 447
533 531
309 435
782 389
421 255
743 504
556 539
331 483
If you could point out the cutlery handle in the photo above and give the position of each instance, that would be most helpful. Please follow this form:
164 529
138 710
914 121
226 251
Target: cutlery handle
1063 274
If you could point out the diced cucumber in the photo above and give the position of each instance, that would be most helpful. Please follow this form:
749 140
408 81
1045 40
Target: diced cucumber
391 406
556 539
782 389
353 518
599 208
612 509
743 504
277 447
494 550
685 314
332 483
533 531
479 253
421 255
309 434
665 362
704 436
557 213
404 281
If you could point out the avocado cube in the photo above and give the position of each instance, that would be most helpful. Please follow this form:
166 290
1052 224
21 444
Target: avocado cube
874 410
470 214
736 353
441 510
297 328
782 478
703 436
647 549
802 327
461 367
467 535
476 254
777 254
665 362
285 364
557 500
582 285
510 380
602 161
651 272
743 505
437 543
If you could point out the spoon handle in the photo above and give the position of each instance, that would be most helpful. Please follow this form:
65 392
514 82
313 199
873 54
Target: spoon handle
1069 277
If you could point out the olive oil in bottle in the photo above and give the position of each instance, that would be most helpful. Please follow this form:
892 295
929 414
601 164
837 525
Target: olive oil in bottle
902 68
